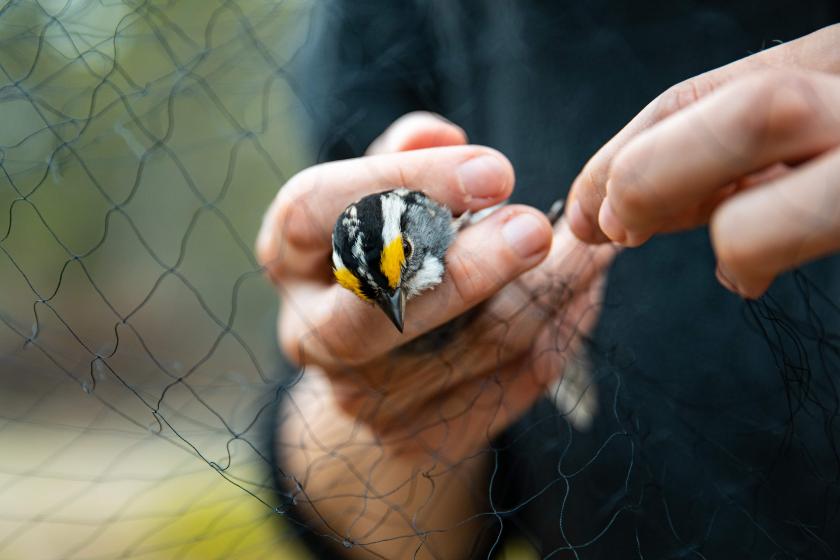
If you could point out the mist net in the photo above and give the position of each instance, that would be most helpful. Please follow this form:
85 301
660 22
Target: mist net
147 411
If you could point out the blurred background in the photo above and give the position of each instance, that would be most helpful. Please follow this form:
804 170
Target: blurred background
140 144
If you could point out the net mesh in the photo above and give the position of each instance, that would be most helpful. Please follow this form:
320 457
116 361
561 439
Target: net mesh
142 142
141 379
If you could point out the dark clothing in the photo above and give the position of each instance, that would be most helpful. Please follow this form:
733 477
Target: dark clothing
717 433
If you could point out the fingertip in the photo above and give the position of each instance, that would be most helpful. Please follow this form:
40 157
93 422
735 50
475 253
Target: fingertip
723 278
441 133
528 234
578 224
430 131
610 224
485 179
754 290
751 289
418 130
508 172
584 227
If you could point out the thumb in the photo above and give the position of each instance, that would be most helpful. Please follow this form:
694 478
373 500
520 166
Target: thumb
415 131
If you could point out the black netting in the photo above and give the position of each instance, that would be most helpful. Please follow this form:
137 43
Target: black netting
146 410
141 145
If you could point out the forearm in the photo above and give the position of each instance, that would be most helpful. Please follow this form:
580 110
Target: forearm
361 491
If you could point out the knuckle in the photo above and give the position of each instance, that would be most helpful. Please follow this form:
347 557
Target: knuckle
468 279
825 40
345 337
590 184
352 350
291 346
831 34
295 216
597 176
298 225
326 343
348 403
625 186
787 101
681 95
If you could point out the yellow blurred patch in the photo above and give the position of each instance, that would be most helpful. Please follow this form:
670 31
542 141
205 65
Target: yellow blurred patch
392 261
349 281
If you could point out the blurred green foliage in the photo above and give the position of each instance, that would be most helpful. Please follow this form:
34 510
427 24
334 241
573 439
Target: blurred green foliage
140 144
139 137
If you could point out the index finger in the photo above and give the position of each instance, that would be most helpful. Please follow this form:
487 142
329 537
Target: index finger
296 232
589 188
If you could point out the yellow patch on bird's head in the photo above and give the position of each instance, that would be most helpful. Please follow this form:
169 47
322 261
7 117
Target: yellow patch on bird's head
350 281
392 261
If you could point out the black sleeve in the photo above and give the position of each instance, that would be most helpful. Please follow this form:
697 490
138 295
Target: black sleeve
363 64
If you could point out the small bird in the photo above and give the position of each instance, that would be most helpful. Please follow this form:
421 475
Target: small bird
391 246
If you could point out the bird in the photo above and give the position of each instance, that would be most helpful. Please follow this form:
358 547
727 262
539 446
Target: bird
390 246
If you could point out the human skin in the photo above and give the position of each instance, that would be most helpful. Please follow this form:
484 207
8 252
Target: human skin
752 149
391 447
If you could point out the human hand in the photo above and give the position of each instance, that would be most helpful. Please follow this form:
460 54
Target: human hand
752 149
452 401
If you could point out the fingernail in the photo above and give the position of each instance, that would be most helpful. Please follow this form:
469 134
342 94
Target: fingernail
483 176
610 224
526 235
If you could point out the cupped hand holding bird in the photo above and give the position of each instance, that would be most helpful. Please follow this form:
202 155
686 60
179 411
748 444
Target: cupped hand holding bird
751 148
539 296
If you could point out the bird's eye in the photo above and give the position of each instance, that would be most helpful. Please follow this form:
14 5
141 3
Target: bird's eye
408 248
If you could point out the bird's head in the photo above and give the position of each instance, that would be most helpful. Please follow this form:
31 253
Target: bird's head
384 248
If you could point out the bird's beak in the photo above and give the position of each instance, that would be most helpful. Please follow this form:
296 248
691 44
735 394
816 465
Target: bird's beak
394 307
